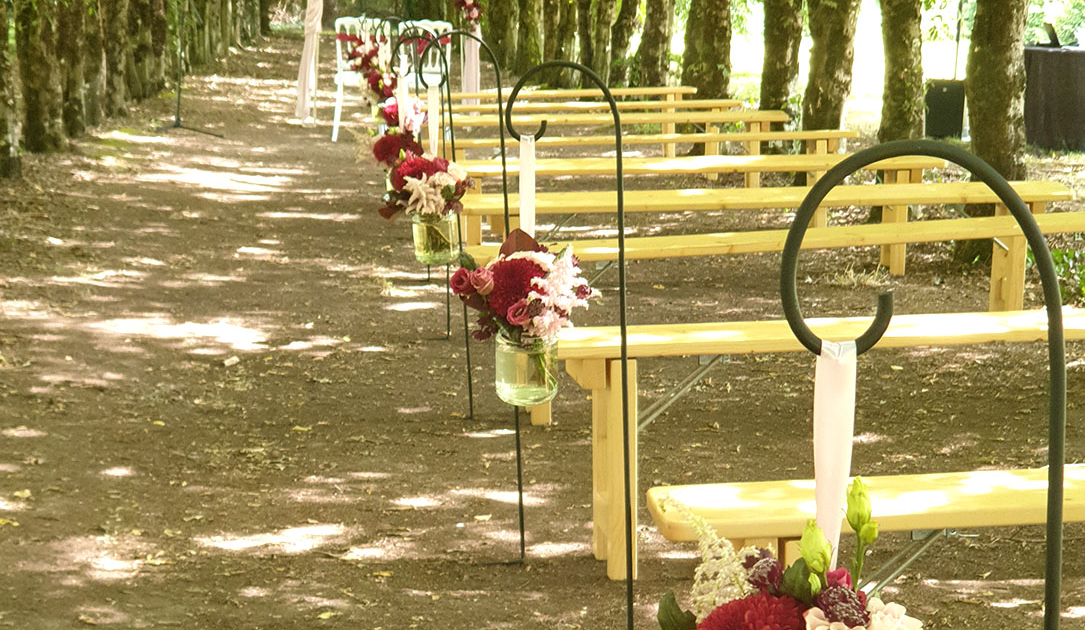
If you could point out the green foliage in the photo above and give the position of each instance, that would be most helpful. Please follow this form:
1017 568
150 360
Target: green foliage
1070 268
672 617
796 582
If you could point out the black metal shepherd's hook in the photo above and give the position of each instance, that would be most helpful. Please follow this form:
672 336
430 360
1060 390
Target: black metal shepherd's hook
629 504
1056 350
504 174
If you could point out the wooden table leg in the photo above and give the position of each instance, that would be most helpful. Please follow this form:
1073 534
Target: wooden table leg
893 256
753 180
668 147
591 374
615 470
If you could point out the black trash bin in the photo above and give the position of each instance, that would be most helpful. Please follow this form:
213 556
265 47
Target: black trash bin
945 108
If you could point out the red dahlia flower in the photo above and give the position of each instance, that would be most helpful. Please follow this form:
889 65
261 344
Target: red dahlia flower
756 612
512 282
388 147
390 112
412 166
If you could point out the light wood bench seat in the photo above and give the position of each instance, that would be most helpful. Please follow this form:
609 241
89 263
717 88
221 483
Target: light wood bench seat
827 136
775 512
668 91
1007 267
902 169
530 122
894 197
592 359
596 106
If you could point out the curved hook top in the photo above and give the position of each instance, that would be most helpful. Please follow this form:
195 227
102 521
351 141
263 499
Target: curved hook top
411 33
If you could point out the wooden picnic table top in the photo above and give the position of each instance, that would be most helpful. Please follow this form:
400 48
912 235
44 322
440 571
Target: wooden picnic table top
575 106
532 94
691 164
631 118
701 199
657 340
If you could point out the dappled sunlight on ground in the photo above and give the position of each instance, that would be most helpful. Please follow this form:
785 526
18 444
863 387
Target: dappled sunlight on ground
291 540
194 336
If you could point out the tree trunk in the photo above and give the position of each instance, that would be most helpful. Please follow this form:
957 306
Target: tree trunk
139 49
115 25
265 17
620 34
10 163
502 28
780 70
226 30
565 48
995 92
602 21
655 45
902 95
94 69
71 41
160 34
832 29
706 63
529 41
552 10
583 33
35 44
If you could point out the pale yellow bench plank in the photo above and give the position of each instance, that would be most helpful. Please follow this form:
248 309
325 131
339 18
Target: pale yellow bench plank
633 118
689 165
540 94
707 199
725 243
591 106
662 138
780 509
905 331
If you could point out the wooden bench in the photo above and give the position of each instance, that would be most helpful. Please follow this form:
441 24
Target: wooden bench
903 168
1007 265
774 513
592 358
894 198
676 92
524 107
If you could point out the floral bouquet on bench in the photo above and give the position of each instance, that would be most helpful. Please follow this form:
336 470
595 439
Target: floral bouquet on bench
751 590
526 295
400 137
429 189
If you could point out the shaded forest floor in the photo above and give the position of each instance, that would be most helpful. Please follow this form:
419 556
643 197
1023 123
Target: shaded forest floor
227 400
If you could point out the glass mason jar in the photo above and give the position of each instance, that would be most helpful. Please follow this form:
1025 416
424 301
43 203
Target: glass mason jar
435 241
524 371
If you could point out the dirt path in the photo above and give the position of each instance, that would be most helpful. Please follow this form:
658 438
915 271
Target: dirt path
226 404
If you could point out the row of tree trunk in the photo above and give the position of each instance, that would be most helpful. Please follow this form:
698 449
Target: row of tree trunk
75 62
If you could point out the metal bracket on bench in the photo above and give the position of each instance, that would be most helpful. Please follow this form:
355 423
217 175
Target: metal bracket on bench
603 267
891 570
657 408
558 226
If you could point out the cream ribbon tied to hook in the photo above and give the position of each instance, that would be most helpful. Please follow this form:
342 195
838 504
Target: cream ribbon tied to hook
834 428
433 114
527 184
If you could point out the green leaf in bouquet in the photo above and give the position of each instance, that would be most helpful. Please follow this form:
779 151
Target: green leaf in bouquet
796 582
467 261
672 617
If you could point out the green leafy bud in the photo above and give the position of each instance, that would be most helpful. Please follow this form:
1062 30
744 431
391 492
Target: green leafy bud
815 549
858 505
797 582
815 584
672 617
869 533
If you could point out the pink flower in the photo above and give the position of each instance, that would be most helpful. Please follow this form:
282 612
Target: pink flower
461 282
519 313
482 279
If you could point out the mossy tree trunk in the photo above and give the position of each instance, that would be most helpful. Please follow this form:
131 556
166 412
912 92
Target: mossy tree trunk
529 41
94 72
624 26
71 43
10 163
706 62
139 49
35 44
995 92
565 46
655 45
115 25
602 21
502 28
902 95
586 54
780 70
832 29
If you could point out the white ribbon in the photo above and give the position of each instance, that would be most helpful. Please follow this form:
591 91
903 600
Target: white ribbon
834 427
470 79
527 184
433 112
307 73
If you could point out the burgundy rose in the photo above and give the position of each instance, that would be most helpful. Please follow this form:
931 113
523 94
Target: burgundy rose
390 113
461 282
